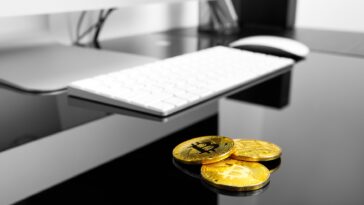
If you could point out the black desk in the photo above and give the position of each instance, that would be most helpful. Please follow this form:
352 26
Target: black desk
317 119
189 39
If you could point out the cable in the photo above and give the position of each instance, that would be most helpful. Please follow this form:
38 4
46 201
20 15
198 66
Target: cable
102 20
85 33
79 24
79 36
98 26
96 33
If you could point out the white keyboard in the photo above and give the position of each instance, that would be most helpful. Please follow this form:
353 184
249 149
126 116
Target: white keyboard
167 86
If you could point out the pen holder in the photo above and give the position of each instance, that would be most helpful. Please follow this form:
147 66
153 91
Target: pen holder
218 16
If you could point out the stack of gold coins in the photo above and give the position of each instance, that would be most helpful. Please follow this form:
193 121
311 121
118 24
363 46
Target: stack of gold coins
229 164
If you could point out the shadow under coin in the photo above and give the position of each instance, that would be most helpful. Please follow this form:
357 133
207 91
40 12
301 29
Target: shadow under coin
191 170
272 165
235 193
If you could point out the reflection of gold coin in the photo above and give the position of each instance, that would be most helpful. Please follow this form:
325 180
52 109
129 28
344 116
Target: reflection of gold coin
236 175
204 150
189 169
255 150
236 193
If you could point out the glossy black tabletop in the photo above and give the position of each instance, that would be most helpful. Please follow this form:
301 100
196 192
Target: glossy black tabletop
315 113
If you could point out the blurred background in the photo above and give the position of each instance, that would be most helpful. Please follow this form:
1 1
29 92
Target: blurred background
321 14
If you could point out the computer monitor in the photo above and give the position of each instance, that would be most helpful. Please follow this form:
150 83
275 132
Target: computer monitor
31 7
266 13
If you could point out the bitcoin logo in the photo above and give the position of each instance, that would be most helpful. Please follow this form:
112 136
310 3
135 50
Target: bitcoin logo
235 172
205 147
203 150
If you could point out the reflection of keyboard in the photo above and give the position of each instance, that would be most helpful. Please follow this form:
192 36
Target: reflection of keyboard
167 86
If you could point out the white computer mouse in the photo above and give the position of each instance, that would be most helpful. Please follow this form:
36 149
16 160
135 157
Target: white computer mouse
273 45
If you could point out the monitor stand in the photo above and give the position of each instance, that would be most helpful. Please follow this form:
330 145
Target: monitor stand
52 67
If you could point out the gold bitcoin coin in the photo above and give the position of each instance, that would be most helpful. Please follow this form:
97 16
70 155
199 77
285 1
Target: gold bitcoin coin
236 175
255 150
204 150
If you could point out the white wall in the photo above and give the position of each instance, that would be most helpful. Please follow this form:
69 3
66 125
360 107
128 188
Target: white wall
324 14
129 21
123 22
20 31
25 7
327 14
157 17
345 15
